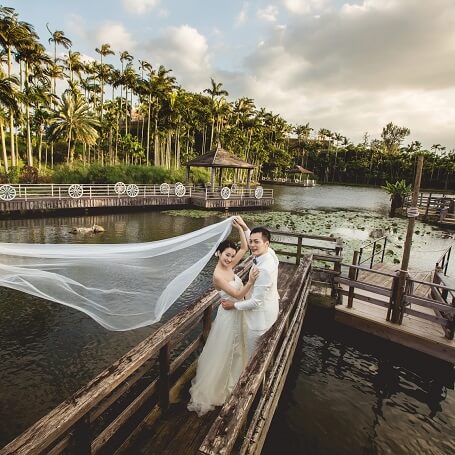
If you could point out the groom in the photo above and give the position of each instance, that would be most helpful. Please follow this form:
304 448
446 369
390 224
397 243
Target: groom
261 305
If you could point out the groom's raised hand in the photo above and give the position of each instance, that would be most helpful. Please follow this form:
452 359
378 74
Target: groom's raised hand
227 304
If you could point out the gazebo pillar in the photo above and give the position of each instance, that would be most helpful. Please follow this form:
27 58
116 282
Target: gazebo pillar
248 179
212 178
220 177
188 174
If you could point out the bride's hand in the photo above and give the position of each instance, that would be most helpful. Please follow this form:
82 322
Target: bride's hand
253 275
236 224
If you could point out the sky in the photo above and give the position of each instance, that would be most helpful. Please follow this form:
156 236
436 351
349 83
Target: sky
349 66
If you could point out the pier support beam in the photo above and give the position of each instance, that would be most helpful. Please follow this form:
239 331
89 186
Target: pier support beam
413 212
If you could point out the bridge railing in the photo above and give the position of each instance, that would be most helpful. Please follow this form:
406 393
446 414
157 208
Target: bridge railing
89 191
246 416
439 298
375 249
433 204
237 193
326 252
139 385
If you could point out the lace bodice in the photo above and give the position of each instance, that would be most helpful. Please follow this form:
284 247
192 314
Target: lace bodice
237 283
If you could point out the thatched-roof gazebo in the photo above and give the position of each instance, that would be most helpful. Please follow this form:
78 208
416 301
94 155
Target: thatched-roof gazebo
298 170
221 159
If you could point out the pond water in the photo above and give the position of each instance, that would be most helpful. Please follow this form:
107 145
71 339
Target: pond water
48 351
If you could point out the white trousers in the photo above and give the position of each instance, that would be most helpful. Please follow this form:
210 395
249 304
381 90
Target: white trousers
252 340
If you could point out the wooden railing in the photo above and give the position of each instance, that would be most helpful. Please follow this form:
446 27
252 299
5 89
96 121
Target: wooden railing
326 252
440 298
442 302
377 251
443 262
434 204
245 418
90 191
238 193
140 384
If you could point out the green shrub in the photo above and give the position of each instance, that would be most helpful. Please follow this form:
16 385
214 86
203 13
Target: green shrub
96 173
28 174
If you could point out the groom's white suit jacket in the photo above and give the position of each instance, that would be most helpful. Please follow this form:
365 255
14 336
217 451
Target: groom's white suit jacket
262 302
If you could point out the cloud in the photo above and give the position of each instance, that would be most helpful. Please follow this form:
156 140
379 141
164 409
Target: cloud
185 50
139 6
303 6
359 67
242 16
268 14
116 35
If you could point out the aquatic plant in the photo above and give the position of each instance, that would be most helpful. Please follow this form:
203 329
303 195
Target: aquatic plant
398 192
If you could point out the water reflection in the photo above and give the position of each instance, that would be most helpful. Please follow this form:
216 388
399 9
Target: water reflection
330 197
350 393
346 393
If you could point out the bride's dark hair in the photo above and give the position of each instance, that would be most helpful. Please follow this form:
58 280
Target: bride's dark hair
225 244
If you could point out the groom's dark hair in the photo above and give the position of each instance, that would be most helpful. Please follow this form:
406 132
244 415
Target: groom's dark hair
266 236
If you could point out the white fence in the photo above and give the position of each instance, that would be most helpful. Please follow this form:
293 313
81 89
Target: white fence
96 191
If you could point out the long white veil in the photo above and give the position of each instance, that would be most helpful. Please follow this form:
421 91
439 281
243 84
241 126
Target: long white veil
122 286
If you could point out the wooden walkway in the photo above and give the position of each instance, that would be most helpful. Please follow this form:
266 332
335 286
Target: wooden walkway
419 329
180 431
34 199
138 405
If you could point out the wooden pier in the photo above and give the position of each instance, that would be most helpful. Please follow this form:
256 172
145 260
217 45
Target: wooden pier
425 319
138 405
20 200
438 208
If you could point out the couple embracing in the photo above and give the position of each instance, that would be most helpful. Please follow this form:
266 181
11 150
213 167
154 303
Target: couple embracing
246 312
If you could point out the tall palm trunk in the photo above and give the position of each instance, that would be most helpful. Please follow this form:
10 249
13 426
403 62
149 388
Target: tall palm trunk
148 130
5 156
11 116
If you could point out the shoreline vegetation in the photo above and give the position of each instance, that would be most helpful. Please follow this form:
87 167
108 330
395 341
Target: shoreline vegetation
118 110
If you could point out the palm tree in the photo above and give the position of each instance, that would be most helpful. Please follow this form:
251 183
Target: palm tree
104 50
214 91
73 121
12 34
8 100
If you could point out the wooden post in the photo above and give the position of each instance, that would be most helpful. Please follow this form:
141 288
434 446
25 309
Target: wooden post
220 181
212 178
337 268
299 250
164 358
207 322
383 249
248 180
398 307
451 323
393 295
352 277
428 206
373 253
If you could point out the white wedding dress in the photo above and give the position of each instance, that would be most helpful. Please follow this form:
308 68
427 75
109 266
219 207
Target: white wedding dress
222 360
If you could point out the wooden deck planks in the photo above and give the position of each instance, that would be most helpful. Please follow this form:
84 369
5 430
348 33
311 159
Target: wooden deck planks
417 333
180 431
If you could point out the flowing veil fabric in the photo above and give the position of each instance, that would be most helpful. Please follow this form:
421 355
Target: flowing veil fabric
121 286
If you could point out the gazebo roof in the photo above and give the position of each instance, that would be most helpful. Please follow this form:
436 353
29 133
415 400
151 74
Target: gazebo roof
219 158
298 170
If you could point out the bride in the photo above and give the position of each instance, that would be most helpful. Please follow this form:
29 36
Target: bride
224 355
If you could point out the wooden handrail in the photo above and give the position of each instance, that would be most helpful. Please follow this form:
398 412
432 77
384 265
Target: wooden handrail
76 412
